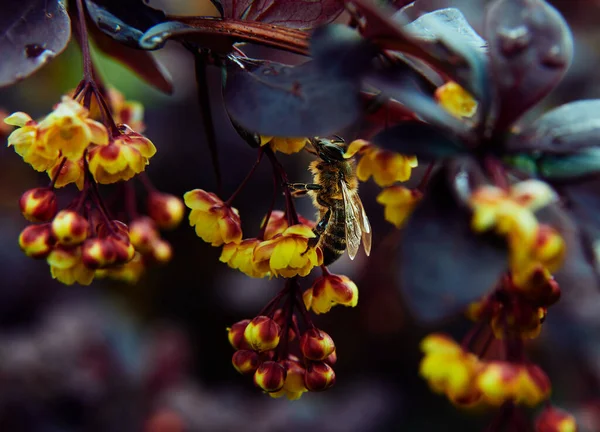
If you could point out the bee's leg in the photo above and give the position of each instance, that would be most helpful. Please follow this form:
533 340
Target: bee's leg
319 229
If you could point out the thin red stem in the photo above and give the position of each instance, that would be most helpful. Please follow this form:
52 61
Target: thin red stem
263 228
290 208
58 173
88 73
246 179
425 180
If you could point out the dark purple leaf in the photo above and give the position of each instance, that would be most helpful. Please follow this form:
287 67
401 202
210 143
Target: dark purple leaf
124 20
32 32
140 62
531 48
443 264
563 130
419 139
582 200
279 100
300 14
454 22
445 49
338 48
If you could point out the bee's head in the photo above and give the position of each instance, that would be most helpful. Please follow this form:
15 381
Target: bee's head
329 150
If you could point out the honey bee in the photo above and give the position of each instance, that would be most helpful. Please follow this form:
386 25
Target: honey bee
342 220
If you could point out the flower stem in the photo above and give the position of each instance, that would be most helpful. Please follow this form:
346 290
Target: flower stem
263 228
290 208
58 173
88 74
246 179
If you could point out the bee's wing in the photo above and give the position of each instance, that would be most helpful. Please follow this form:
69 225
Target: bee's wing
357 224
363 221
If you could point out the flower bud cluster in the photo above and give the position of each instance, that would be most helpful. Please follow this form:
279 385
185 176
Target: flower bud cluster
262 351
74 248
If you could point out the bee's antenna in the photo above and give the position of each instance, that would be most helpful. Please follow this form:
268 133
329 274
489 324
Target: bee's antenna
339 139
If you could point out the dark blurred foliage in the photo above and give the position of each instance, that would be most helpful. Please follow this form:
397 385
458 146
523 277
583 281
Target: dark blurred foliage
155 356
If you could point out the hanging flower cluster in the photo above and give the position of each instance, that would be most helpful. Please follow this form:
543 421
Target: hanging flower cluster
82 240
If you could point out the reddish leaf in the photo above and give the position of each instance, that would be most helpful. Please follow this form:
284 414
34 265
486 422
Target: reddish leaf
300 14
32 32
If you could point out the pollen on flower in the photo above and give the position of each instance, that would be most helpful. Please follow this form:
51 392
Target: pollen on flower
215 222
386 167
288 254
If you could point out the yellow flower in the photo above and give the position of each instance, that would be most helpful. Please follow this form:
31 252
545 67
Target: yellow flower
278 223
69 130
501 381
288 254
215 222
284 145
511 214
399 202
27 144
125 156
385 166
328 291
67 267
449 369
456 100
70 172
293 387
239 256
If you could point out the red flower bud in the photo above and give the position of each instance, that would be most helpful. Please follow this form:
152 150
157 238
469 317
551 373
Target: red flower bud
235 333
552 419
166 210
245 361
270 376
38 205
36 240
262 333
316 344
331 358
98 253
70 228
319 376
143 234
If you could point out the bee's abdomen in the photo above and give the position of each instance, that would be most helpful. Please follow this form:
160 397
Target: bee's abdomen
333 240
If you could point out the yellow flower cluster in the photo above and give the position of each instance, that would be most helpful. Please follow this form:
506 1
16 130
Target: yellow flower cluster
59 142
284 252
510 213
386 167
468 381
328 291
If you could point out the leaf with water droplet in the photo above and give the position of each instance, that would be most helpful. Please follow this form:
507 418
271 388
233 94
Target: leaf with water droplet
32 32
300 14
279 100
530 48
124 20
563 130
442 39
443 265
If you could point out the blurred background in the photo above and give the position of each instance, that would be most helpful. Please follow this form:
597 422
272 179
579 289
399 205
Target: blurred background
155 357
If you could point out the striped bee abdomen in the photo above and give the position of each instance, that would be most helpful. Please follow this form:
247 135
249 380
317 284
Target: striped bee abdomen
333 239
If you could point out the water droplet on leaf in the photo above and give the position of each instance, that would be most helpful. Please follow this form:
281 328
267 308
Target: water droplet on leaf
514 40
554 58
33 50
